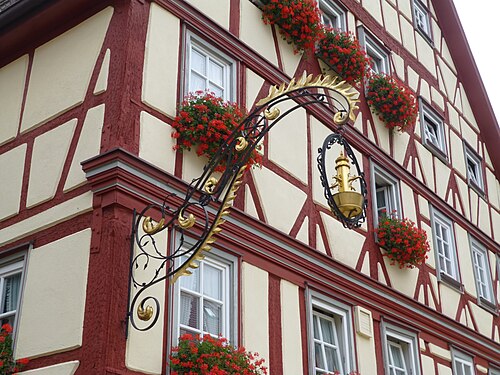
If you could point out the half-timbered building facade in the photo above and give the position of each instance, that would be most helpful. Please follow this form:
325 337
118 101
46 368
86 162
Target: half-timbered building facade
89 91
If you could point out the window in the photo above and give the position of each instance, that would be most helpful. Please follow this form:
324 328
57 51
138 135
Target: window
422 19
332 15
480 263
462 363
494 371
331 336
385 190
474 171
432 129
208 69
379 56
400 351
206 300
444 244
11 277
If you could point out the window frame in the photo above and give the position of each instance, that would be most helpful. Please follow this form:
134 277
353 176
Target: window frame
375 50
443 275
16 259
438 147
493 371
477 247
192 40
462 357
408 343
330 8
471 155
377 172
215 256
339 312
419 6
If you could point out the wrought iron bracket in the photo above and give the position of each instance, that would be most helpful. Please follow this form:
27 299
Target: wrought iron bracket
191 217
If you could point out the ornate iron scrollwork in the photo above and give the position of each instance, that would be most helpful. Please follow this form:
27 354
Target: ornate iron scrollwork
190 216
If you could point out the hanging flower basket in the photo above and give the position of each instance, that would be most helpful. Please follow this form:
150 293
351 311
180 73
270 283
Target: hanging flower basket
8 365
404 243
299 21
342 52
205 122
213 356
393 102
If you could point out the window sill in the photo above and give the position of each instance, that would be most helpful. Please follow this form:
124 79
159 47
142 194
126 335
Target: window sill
436 151
451 282
488 305
477 189
424 35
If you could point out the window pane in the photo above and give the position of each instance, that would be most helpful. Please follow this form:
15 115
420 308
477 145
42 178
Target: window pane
397 356
319 356
12 286
191 282
327 331
216 90
212 317
333 359
196 82
189 310
198 61
315 325
212 282
216 73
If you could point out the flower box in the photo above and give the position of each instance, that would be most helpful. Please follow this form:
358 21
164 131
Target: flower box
393 102
299 21
342 52
205 122
404 243
209 355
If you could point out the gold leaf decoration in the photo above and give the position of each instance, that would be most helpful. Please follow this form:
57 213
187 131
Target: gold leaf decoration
144 314
150 228
241 145
325 81
210 185
210 239
272 114
186 222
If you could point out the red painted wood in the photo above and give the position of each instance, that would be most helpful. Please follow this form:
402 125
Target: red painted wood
275 333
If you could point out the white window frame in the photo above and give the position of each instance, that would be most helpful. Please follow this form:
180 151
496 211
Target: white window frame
422 19
11 265
474 176
482 273
407 343
340 315
211 54
494 371
461 360
389 187
375 51
228 263
432 126
332 15
450 271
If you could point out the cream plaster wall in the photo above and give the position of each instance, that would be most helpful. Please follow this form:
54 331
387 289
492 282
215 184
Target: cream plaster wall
345 248
408 35
255 33
216 10
66 368
303 233
440 352
287 142
457 154
442 177
102 79
443 370
290 329
409 210
88 146
11 175
373 7
449 78
161 60
12 81
465 261
49 155
281 201
156 144
382 134
289 59
483 319
484 217
51 318
427 365
449 300
391 20
255 309
319 132
403 280
61 70
47 218
425 54
144 351
254 84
